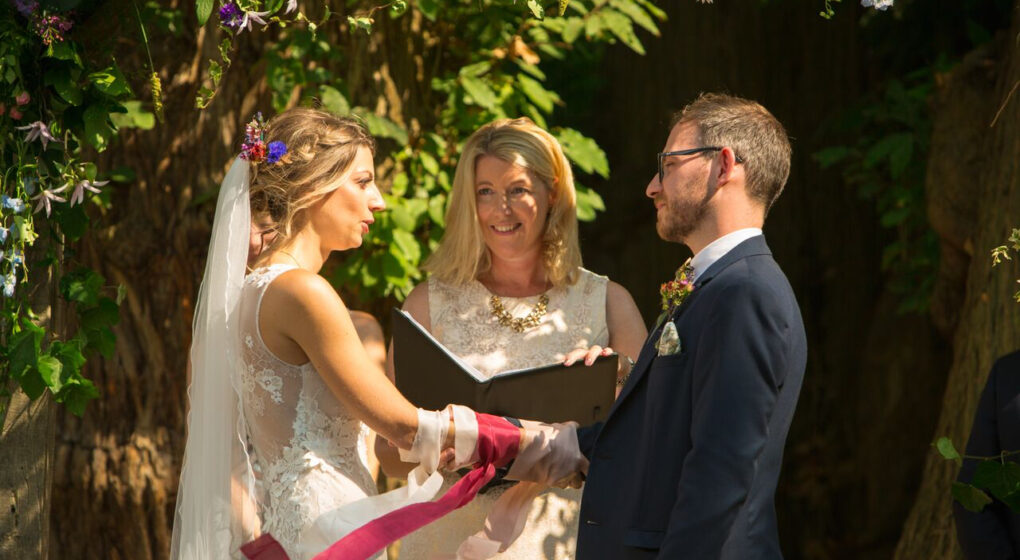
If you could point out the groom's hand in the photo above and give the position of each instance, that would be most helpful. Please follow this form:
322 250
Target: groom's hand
549 455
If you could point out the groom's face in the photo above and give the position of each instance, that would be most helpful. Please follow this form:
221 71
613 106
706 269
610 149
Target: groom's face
682 197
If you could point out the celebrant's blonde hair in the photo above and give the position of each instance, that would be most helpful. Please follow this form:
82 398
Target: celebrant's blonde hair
462 255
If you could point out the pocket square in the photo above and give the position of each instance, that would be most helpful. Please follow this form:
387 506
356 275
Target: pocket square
669 340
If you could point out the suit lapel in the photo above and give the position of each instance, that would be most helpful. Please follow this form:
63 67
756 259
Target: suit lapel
753 246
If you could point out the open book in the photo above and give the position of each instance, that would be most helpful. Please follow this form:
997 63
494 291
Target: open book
431 377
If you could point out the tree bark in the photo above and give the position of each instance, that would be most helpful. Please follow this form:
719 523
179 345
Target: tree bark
989 320
26 453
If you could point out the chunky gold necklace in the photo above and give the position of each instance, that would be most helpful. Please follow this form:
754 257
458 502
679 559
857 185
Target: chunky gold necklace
518 325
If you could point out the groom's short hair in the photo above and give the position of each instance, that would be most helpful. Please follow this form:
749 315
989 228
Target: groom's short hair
756 137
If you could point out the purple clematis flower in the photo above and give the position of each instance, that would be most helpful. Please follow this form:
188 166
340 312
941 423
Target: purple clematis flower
231 16
78 195
39 130
46 199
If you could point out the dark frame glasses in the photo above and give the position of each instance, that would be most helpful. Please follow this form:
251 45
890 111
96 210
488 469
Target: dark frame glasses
690 151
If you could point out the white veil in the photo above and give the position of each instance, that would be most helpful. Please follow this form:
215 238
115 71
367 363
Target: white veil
215 500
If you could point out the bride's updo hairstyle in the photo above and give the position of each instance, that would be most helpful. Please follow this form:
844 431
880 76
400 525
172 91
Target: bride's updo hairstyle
320 150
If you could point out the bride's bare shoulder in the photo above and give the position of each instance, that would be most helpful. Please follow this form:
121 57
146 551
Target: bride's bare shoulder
302 291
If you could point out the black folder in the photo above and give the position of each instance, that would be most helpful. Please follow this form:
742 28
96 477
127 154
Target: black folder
431 377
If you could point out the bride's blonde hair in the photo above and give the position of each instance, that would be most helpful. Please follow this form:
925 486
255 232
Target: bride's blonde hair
320 150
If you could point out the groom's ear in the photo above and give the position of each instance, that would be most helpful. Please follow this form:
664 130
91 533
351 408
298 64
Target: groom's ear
726 164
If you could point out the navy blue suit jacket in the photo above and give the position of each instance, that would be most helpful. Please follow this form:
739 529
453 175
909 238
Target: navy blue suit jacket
993 533
686 463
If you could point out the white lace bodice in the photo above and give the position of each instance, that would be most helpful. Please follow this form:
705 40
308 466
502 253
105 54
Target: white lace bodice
309 452
461 319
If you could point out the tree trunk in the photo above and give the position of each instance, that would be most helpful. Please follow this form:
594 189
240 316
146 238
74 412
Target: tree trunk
989 320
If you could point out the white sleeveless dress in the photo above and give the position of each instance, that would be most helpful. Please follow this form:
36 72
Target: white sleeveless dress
461 319
309 452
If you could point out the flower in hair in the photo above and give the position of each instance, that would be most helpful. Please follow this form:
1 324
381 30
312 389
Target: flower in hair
255 149
277 150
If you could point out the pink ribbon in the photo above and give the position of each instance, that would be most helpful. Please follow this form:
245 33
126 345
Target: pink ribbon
498 442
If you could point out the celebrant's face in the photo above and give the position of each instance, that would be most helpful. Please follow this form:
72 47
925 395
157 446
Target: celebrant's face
682 198
512 204
346 212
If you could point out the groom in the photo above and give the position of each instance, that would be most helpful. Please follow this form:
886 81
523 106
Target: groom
686 464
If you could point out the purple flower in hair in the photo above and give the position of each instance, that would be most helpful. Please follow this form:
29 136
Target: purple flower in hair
231 16
277 150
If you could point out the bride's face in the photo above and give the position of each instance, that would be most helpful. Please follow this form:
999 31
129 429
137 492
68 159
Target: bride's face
344 215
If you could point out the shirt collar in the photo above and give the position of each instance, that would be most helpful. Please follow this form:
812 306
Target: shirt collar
716 249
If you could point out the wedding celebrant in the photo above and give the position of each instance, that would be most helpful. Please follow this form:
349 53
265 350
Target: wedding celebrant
685 465
507 291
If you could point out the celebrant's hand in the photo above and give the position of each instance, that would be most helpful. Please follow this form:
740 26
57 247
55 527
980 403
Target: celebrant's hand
589 355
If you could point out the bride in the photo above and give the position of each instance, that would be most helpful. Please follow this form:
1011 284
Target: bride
281 388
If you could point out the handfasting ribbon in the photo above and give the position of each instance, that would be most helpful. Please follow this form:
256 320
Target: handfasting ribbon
498 442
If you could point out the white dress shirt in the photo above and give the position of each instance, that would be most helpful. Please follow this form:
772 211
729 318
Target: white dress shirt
716 249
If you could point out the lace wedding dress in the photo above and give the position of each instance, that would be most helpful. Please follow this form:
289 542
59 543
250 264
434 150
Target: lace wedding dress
462 321
309 452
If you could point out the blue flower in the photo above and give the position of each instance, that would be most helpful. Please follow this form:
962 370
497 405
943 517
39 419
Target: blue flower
17 257
9 282
277 150
3 234
15 204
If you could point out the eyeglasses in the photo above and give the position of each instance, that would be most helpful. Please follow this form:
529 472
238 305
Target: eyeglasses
664 155
515 196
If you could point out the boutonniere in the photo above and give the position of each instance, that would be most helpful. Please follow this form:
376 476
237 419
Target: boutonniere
674 293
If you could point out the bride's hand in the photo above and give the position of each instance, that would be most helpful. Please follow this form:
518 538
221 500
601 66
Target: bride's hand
589 355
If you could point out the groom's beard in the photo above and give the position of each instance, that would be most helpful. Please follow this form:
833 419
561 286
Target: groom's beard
682 216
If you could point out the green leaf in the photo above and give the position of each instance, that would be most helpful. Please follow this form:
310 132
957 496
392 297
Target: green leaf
407 245
110 81
63 50
381 127
475 70
544 99
398 8
102 316
334 101
60 80
135 117
945 448
656 12
203 8
81 286
429 163
970 497
480 92
97 127
437 210
588 203
623 28
73 220
583 151
429 9
536 9
76 393
49 371
401 216
638 15
123 174
828 157
1001 479
23 354
572 30
273 6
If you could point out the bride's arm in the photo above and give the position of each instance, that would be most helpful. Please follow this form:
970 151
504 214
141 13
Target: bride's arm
417 305
302 318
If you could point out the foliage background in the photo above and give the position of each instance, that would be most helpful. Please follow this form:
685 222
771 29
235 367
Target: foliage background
885 230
